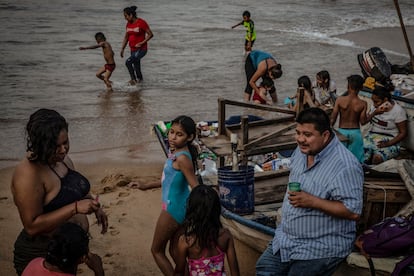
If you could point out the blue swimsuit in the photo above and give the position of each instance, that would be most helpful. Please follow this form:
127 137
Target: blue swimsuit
175 190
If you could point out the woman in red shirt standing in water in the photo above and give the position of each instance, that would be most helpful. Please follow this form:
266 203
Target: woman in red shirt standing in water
137 35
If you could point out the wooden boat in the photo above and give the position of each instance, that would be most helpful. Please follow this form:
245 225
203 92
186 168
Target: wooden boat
265 136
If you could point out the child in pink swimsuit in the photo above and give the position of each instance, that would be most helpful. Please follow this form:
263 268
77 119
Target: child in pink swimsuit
204 244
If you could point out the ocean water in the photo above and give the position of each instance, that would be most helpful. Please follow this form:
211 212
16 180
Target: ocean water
194 58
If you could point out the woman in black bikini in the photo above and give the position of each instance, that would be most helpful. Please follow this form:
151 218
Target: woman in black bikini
47 190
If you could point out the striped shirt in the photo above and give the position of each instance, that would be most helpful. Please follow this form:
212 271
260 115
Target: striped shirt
306 234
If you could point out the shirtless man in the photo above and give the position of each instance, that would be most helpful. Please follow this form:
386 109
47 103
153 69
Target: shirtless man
352 113
108 54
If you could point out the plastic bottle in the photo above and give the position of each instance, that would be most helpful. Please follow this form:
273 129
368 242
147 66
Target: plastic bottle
397 90
162 127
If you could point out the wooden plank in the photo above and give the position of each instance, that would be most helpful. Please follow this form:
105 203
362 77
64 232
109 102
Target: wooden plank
267 137
258 106
396 196
270 190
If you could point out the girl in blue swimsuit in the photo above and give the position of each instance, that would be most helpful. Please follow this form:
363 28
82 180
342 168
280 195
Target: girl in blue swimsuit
177 179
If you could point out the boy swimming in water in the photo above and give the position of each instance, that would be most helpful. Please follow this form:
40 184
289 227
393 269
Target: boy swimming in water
105 72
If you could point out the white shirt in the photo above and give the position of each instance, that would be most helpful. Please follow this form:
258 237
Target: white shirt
322 94
386 123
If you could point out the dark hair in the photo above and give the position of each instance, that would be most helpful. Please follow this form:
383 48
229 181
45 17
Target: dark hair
324 75
268 82
276 71
43 130
202 217
305 82
382 93
246 13
67 246
131 11
315 116
355 82
100 36
189 127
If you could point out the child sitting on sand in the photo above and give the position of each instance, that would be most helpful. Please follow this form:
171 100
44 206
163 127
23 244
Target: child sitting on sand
205 243
108 54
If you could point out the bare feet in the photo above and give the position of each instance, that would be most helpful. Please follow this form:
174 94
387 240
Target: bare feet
108 84
132 82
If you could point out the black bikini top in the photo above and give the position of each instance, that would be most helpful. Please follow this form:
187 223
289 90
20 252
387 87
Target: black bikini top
73 187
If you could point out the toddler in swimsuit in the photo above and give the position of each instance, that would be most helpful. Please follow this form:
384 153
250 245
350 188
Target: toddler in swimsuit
205 243
105 72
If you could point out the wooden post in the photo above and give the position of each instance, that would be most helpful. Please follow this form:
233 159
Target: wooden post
245 138
407 42
300 101
221 116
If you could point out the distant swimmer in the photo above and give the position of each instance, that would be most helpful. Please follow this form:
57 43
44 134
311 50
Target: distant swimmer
105 72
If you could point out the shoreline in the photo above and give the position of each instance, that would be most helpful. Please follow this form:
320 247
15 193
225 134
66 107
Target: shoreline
384 38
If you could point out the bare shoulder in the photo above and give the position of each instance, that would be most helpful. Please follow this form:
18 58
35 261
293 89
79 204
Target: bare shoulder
107 44
26 176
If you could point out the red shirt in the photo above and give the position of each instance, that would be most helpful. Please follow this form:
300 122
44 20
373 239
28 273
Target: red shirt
36 268
136 33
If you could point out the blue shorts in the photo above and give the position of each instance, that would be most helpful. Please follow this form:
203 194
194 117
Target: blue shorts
289 101
354 142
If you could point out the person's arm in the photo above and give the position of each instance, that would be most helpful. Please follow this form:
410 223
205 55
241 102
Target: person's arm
363 119
101 218
94 262
402 133
260 71
100 214
28 194
331 207
308 99
124 43
335 113
372 114
99 45
185 165
273 94
148 36
238 24
181 257
231 256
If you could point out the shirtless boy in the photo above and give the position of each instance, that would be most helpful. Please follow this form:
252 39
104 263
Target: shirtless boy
105 72
352 113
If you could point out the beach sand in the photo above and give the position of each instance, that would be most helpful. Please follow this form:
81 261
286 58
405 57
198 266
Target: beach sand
391 39
125 249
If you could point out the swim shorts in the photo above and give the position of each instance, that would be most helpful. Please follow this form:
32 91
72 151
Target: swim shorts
370 147
110 67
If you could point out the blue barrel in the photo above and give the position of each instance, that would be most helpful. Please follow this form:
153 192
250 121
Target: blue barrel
236 189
